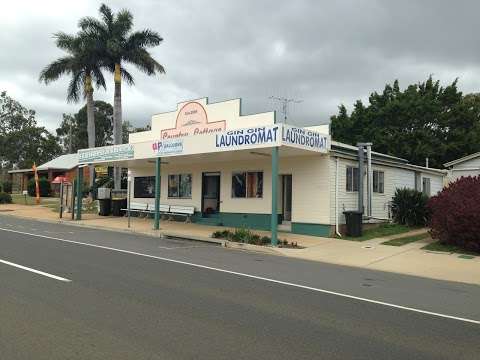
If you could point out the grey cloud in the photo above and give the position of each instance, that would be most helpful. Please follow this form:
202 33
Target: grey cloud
325 53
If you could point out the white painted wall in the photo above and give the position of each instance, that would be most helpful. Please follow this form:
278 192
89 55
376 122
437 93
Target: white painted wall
394 178
466 168
310 186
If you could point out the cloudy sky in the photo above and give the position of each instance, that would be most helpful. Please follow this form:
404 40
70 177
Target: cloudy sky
322 52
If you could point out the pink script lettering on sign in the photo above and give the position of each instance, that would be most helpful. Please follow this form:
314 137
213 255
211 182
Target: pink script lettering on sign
192 119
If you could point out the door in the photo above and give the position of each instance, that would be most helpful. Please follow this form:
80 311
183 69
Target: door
287 197
210 193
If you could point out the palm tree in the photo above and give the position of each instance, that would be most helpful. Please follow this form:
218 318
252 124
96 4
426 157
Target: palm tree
83 64
122 45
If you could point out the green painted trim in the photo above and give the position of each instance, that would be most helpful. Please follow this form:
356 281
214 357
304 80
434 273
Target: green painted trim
273 216
311 229
253 221
156 225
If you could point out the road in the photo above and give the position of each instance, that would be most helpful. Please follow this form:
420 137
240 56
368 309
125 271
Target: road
81 293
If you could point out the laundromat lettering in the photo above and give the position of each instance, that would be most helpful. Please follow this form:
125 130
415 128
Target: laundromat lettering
251 136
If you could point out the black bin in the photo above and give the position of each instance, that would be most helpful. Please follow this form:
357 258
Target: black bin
117 206
105 207
353 219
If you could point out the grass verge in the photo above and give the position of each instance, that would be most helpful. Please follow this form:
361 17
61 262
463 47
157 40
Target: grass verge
380 231
30 200
438 246
406 240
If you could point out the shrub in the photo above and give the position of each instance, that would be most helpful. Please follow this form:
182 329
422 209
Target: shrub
409 207
5 198
455 214
44 185
7 187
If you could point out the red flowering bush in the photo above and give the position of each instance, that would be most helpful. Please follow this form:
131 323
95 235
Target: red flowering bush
455 214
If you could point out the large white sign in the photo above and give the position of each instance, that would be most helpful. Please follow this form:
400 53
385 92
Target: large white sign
305 139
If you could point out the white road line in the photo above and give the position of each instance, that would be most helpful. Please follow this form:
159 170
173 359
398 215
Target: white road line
34 271
324 291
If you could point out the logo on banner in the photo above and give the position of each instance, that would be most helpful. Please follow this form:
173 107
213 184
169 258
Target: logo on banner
168 147
192 119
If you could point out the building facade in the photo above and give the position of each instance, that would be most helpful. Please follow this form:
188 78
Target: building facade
234 169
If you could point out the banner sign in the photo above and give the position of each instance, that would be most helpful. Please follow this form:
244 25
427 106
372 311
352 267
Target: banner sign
265 135
305 139
168 147
106 153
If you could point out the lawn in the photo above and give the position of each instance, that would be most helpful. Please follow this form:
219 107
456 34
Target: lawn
437 246
406 240
380 231
20 199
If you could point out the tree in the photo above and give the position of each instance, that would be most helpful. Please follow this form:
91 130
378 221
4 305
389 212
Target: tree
424 120
83 63
73 128
22 142
120 45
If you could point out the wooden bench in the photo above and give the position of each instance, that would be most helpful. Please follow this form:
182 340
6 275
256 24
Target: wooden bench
180 210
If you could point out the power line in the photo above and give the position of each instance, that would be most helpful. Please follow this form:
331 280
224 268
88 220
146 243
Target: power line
285 101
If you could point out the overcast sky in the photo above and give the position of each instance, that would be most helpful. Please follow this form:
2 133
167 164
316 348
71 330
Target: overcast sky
322 52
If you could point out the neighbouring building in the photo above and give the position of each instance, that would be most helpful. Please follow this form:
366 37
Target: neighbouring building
235 168
466 166
64 165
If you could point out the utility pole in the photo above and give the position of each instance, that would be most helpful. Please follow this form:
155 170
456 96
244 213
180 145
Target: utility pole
285 101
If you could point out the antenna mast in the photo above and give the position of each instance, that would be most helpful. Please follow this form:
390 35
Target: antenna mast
285 101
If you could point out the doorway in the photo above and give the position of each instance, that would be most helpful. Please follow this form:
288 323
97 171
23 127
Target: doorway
210 193
287 197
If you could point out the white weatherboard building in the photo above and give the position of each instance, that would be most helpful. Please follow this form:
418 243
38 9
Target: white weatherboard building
213 158
466 166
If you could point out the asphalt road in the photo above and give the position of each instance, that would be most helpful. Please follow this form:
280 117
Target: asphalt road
177 304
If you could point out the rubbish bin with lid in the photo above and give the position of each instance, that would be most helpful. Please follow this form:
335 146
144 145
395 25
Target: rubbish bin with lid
353 218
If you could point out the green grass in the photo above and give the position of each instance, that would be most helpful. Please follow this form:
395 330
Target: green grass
20 199
437 246
405 240
380 231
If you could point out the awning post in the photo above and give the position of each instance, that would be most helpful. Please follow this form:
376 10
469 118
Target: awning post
157 194
79 192
274 218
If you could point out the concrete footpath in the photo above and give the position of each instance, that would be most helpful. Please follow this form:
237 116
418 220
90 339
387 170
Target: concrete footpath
407 259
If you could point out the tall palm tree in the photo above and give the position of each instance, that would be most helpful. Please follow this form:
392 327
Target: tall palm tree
122 45
83 64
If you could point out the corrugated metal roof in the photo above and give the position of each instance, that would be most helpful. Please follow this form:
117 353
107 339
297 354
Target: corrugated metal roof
63 162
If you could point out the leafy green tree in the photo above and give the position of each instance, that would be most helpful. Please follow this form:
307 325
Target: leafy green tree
119 45
73 128
22 142
424 120
83 63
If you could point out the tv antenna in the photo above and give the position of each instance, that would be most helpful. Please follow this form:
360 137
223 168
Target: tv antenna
285 101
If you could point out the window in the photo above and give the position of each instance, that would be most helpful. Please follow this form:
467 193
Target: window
426 186
378 181
352 178
180 186
247 184
144 187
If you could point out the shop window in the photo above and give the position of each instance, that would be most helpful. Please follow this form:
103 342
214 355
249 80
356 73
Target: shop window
378 181
426 186
180 186
352 179
247 184
144 187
